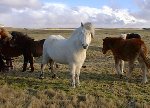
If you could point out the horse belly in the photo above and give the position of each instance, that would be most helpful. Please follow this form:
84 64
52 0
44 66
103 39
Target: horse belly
59 58
128 55
58 54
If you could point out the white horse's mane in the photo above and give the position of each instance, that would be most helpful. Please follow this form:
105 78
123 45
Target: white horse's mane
88 26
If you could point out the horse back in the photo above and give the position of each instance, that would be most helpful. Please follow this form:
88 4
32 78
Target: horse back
129 49
54 41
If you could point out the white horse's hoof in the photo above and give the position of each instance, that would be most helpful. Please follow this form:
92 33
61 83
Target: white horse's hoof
73 87
41 77
144 81
78 85
54 76
120 76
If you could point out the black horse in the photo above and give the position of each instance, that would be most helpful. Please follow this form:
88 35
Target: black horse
133 35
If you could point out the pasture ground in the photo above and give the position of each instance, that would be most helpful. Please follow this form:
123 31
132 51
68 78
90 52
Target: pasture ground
100 86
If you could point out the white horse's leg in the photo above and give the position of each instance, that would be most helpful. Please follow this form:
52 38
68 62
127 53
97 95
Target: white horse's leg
42 70
144 69
117 67
45 60
52 64
131 66
73 68
122 66
78 75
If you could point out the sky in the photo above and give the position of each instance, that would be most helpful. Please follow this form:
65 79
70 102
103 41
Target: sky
70 13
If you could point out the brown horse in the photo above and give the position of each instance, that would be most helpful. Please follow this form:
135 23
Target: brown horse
23 44
127 50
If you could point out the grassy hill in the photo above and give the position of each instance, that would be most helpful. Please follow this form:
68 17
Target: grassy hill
100 86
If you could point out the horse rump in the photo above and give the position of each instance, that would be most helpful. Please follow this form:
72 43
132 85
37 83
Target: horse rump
37 48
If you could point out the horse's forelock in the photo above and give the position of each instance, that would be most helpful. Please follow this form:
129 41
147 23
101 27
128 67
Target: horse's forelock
90 27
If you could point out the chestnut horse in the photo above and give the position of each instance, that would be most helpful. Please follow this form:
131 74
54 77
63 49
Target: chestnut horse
4 35
127 50
128 36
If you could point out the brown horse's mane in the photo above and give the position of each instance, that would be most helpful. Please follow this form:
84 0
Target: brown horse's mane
20 35
3 31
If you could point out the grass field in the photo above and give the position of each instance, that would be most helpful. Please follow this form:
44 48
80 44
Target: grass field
100 86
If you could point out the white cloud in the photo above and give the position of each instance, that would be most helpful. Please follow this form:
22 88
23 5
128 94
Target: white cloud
20 3
143 4
32 13
143 12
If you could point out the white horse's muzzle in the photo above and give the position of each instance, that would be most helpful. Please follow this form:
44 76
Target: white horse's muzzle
85 46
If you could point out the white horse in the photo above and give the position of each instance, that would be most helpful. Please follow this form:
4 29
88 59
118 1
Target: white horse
71 51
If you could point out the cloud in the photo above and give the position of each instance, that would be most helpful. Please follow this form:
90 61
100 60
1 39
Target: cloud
20 3
143 12
143 4
34 14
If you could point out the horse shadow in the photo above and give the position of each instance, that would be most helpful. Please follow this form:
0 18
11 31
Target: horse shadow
108 77
31 80
100 77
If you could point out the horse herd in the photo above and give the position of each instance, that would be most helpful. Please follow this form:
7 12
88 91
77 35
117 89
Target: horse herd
72 51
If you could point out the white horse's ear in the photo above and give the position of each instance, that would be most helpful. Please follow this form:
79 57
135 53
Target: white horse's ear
81 24
92 35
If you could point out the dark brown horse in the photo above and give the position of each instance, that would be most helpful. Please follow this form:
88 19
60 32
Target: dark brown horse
127 50
4 38
23 44
37 48
2 64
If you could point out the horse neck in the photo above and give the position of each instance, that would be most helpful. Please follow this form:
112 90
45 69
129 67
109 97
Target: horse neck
22 41
75 33
115 42
74 41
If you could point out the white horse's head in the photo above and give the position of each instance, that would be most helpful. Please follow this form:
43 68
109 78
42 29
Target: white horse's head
87 31
123 36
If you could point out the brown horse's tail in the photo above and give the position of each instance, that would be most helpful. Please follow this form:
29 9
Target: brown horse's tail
144 57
